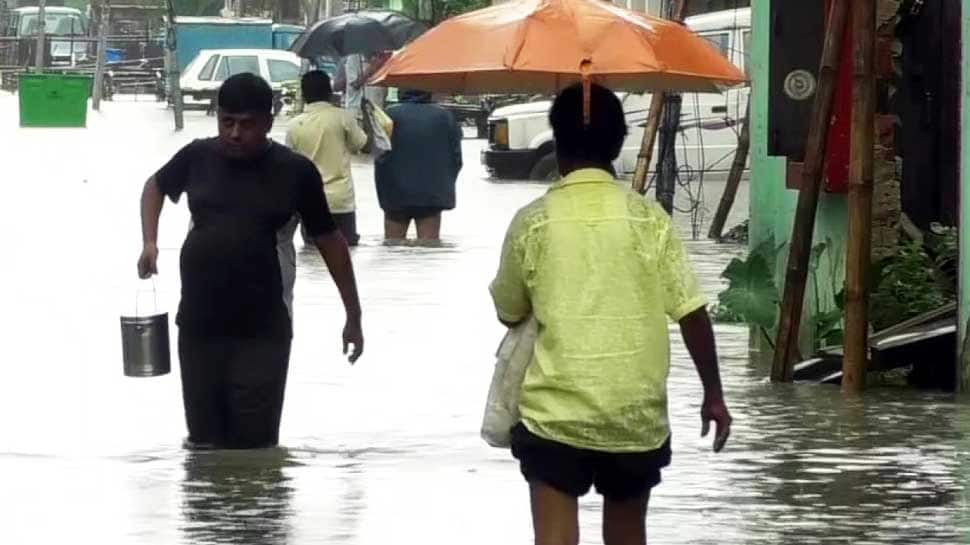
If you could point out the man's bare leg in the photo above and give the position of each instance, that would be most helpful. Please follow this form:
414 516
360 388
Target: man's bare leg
625 522
429 228
555 516
394 230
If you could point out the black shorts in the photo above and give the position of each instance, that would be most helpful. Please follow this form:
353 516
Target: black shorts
232 390
572 471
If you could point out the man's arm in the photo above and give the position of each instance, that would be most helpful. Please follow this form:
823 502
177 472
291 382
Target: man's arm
152 201
370 68
333 249
685 303
699 337
356 137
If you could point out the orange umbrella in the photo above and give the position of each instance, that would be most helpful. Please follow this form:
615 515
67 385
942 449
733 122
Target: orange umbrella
547 45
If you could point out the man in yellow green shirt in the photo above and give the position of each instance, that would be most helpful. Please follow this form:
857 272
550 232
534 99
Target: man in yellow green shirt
602 270
328 136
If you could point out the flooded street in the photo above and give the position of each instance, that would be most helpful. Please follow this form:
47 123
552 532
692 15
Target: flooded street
386 451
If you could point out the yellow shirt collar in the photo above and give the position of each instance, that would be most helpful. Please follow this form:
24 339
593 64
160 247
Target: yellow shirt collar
585 176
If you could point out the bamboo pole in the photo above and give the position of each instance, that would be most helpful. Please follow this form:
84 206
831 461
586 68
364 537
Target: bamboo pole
859 249
172 70
41 48
734 178
98 91
786 344
677 11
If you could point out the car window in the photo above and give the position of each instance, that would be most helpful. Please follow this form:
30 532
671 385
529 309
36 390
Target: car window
58 24
280 71
209 68
721 41
237 64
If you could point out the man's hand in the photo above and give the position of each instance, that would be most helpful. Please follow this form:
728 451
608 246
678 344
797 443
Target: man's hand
333 249
353 335
715 410
148 262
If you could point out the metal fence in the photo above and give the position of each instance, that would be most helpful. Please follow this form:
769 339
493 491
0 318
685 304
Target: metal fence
133 63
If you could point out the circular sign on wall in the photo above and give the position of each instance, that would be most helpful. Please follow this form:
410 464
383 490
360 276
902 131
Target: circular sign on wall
800 85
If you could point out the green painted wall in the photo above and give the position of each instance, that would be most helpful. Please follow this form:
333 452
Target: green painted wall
772 205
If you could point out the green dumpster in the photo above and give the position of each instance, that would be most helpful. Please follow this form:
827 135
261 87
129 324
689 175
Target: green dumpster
54 100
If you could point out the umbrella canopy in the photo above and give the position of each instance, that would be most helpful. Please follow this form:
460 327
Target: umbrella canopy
362 32
547 45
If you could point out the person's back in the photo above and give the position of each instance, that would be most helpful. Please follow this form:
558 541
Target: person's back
416 179
601 270
328 136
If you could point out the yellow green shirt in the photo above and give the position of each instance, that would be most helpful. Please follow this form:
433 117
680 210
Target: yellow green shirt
601 269
328 135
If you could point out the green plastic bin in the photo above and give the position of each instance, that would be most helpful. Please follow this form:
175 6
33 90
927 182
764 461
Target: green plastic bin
54 100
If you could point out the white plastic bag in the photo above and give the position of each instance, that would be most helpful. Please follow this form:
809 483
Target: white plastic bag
379 127
512 361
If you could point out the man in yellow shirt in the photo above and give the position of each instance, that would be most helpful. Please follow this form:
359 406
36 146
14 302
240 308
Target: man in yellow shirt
328 136
601 269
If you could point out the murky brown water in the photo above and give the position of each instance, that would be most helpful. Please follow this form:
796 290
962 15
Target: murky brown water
387 451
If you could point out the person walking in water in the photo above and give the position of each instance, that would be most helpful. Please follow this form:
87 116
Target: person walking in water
601 270
238 267
416 178
328 136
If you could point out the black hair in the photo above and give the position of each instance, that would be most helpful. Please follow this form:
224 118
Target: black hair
246 93
414 95
316 87
598 142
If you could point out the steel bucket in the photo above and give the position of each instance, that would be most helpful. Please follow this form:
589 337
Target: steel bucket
145 345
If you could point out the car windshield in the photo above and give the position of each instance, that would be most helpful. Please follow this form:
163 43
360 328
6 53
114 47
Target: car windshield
58 24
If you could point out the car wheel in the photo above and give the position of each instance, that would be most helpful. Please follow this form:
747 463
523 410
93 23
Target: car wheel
546 169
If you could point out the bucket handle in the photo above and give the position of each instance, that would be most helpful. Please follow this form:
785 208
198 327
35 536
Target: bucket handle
154 297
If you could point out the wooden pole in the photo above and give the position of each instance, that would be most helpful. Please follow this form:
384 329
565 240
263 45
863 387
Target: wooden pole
646 145
856 355
41 47
734 177
98 92
786 344
172 70
677 10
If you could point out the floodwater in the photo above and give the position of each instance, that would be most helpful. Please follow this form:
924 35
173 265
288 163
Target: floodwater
386 451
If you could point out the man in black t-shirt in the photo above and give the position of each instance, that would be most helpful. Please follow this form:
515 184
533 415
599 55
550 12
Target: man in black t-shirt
246 195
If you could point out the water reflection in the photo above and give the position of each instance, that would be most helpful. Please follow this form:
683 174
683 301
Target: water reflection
235 496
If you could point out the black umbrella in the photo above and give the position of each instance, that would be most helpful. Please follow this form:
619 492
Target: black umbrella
362 32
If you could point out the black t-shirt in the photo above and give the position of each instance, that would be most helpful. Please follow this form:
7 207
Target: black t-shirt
232 276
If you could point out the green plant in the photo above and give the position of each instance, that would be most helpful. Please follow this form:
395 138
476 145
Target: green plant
753 297
908 284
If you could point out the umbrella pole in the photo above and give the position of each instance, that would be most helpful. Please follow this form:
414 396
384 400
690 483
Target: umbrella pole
796 272
676 13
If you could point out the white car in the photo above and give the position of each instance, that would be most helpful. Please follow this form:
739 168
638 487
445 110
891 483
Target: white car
202 77
520 139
